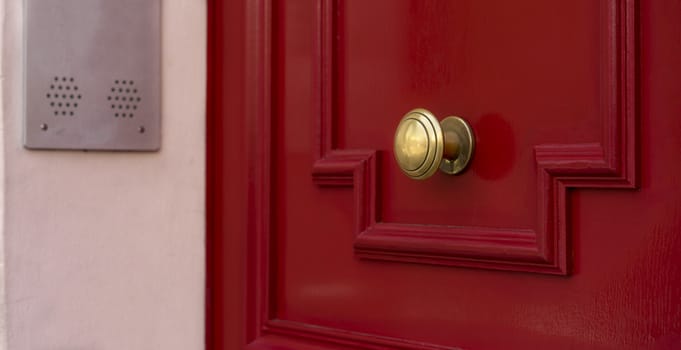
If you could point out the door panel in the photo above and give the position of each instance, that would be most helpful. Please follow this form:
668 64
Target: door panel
562 233
552 107
487 61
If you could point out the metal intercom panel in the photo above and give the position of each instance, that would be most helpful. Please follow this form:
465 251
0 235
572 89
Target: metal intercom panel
93 74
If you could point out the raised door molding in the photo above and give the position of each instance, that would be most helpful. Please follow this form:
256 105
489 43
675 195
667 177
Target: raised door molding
545 248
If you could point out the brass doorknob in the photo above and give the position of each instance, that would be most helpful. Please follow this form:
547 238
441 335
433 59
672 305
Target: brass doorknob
422 144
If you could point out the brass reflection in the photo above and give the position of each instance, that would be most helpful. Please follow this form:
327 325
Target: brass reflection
422 144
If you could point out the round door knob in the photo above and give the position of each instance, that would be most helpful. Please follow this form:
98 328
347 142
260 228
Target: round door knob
422 144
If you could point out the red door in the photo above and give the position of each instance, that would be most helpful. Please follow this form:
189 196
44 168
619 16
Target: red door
564 231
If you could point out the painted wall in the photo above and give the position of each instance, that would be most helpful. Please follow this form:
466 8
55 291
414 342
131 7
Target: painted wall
106 250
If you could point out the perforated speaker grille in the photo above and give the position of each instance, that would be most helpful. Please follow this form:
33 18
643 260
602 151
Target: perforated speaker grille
124 98
63 96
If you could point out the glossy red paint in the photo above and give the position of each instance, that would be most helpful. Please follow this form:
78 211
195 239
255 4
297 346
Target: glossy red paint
225 214
564 233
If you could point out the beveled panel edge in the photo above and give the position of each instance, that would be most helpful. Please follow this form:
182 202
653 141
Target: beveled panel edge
292 335
610 164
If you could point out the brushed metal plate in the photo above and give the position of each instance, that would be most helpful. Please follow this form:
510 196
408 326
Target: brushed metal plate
93 74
